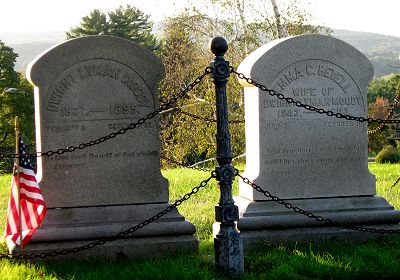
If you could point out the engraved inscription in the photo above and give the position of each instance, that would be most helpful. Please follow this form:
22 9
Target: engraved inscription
98 75
316 68
98 70
308 140
58 91
279 161
317 83
76 161
95 97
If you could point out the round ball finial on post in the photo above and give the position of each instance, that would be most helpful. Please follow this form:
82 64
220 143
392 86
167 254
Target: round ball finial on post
218 45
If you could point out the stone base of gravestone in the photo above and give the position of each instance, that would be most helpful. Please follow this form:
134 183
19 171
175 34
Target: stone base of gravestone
73 227
268 221
132 248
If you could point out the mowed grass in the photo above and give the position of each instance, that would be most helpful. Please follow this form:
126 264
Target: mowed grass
386 175
376 259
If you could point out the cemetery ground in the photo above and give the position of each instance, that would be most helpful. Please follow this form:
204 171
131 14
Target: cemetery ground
375 259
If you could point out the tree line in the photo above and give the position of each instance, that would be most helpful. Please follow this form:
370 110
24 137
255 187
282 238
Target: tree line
183 48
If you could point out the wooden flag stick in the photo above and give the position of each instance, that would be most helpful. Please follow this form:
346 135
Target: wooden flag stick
16 161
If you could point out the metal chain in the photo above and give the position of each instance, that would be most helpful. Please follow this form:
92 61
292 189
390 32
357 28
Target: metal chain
390 114
31 144
309 107
395 183
189 166
310 215
120 235
184 165
123 130
204 119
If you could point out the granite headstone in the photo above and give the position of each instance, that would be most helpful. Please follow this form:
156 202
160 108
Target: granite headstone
85 89
297 153
302 155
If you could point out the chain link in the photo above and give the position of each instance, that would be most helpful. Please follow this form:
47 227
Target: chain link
123 130
120 235
395 183
203 118
184 165
310 215
309 107
189 166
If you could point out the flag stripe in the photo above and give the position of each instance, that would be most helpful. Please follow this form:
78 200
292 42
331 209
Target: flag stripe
28 183
27 174
31 203
29 189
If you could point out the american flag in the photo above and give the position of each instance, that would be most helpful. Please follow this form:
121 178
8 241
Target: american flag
32 207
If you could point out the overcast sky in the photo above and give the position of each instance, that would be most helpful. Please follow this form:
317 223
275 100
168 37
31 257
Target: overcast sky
45 15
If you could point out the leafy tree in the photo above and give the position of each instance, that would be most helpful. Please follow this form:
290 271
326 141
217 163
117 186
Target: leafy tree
8 77
379 109
257 22
126 22
183 138
16 99
381 93
384 87
378 139
185 54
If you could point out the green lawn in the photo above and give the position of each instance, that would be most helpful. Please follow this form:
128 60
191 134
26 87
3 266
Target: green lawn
379 259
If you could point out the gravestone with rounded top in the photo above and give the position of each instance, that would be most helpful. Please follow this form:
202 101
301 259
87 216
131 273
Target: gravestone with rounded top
85 89
309 158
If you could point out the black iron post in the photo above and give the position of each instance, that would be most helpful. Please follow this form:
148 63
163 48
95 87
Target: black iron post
228 242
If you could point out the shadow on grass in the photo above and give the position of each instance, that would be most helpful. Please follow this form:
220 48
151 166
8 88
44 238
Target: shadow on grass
378 259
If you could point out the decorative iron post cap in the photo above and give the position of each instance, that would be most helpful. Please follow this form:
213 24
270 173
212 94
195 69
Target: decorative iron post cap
218 45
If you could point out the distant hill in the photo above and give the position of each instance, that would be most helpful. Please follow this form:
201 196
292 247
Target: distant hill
30 45
382 50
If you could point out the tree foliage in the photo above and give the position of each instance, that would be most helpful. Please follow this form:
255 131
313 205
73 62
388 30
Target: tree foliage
381 95
126 22
378 110
8 77
16 99
185 54
384 87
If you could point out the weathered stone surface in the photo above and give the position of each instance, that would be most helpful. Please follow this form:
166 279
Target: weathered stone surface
85 89
140 247
297 153
306 234
85 223
350 210
316 162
